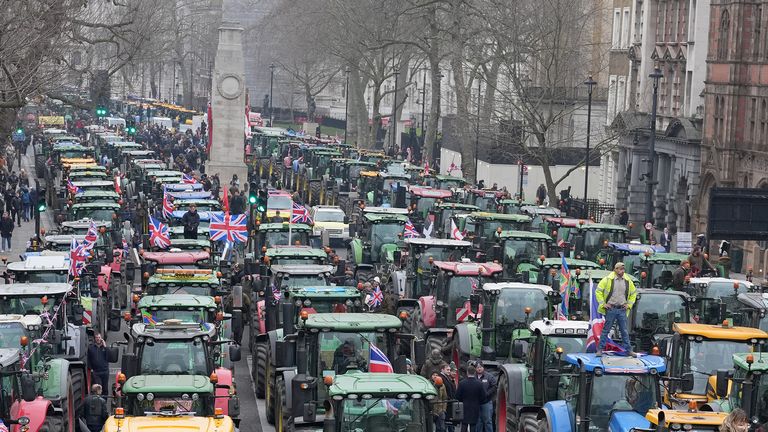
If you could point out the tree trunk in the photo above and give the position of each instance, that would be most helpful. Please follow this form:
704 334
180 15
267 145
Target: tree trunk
489 101
308 99
358 110
434 109
7 123
153 85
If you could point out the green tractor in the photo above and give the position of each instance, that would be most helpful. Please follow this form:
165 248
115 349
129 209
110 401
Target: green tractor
345 178
746 386
317 166
513 206
19 400
716 299
323 345
486 199
55 348
658 269
520 253
374 401
532 371
374 245
444 213
589 241
277 234
483 228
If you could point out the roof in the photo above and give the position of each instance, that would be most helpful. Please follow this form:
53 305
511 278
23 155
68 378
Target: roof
176 257
500 216
469 268
434 242
526 235
760 361
385 217
329 291
174 329
567 222
283 227
708 280
85 223
96 205
488 193
57 262
177 300
754 300
560 328
719 332
179 187
93 183
515 285
168 384
8 356
605 227
458 206
34 289
63 238
667 258
428 192
296 251
572 263
24 320
386 210
617 364
635 249
181 278
352 322
90 193
380 384
301 269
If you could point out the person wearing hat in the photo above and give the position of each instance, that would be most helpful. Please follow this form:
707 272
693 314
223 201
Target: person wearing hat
433 364
616 294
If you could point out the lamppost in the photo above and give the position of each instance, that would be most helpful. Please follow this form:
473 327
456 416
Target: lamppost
271 82
423 107
346 104
590 83
393 128
656 76
477 128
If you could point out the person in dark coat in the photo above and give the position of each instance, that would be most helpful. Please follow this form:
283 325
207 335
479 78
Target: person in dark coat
6 231
98 360
433 364
237 202
485 423
472 394
191 220
94 409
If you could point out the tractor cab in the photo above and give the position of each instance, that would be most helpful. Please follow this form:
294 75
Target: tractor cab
654 314
374 245
444 213
716 299
588 241
520 252
631 254
513 206
424 198
485 199
537 214
271 235
752 310
658 269
192 282
412 278
483 229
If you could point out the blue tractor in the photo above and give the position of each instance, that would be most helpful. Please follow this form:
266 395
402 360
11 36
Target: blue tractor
604 393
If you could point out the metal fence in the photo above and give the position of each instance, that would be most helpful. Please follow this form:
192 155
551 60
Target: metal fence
591 209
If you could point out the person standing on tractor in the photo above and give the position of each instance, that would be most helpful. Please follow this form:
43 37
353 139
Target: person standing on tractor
678 277
616 294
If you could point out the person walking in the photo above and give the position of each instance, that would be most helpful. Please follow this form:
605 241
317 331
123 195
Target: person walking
6 230
16 208
485 422
472 394
541 194
98 360
450 388
191 220
26 204
666 240
438 408
94 409
616 294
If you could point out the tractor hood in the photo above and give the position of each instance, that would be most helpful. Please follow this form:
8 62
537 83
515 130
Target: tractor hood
168 424
624 421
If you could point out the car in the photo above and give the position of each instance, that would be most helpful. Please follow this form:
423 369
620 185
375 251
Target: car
332 220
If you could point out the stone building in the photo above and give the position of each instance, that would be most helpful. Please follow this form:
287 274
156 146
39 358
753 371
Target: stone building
734 149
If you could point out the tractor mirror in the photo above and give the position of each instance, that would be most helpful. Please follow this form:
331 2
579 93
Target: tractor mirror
519 349
419 351
474 301
346 220
721 382
455 412
113 354
686 382
27 387
309 412
233 406
237 325
234 353
130 364
77 314
397 256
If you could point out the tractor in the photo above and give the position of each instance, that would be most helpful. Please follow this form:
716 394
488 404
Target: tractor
747 386
538 213
373 247
482 228
513 206
444 213
631 254
658 269
520 253
716 298
531 372
19 403
485 199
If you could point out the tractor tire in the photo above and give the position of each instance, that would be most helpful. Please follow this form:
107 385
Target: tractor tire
260 369
284 415
528 423
541 426
269 399
417 326
40 165
314 190
68 410
343 202
364 276
51 424
79 388
407 324
436 343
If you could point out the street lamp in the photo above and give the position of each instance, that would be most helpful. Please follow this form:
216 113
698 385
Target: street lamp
656 76
393 128
346 104
589 83
271 81
477 127
423 106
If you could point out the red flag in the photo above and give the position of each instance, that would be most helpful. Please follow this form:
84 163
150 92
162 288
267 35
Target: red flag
225 201
117 185
210 129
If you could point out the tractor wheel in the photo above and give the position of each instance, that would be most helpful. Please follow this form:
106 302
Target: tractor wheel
541 426
502 411
285 416
269 398
343 202
68 410
40 165
436 343
314 190
364 276
51 424
528 423
79 388
260 369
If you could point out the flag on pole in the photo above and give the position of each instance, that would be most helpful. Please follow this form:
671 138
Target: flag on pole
210 129
596 325
225 201
455 233
167 206
118 189
426 167
410 230
427 231
232 228
77 255
378 361
565 289
91 237
159 234
300 214
374 299
71 188
188 179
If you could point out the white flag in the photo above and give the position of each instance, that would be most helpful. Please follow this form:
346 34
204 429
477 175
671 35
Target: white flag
427 231
455 233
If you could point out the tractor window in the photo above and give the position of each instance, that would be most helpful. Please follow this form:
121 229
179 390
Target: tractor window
276 238
279 202
21 306
486 203
424 205
303 280
656 313
523 251
384 415
42 277
438 254
706 357
723 289
620 392
174 357
10 334
459 290
185 316
383 233
354 171
761 410
200 290
510 308
568 344
339 352
95 214
593 240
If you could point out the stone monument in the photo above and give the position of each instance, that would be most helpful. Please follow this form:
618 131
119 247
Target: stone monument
228 107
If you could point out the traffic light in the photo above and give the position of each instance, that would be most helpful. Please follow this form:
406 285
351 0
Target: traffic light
130 129
253 190
19 128
261 201
41 204
101 111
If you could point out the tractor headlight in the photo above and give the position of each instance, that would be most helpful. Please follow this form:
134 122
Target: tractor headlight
150 397
195 396
307 303
140 397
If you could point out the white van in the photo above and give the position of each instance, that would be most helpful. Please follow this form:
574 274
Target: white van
162 121
115 121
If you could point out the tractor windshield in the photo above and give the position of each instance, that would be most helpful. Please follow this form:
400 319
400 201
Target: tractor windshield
339 352
459 290
523 251
383 233
657 312
174 357
161 289
376 415
438 254
425 204
486 203
279 202
191 315
277 238
620 392
95 214
21 305
10 334
42 276
303 280
510 307
593 240
704 358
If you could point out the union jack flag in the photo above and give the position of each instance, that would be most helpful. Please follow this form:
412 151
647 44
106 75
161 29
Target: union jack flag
188 179
91 236
596 324
167 206
375 298
77 255
300 214
276 293
72 188
159 234
378 361
410 230
232 228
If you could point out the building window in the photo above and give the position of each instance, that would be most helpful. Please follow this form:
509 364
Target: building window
756 38
625 27
661 21
763 120
716 118
692 25
722 43
616 38
752 118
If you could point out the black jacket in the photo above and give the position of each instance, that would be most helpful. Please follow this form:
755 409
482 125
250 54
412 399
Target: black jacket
472 394
6 227
98 359
237 205
94 411
191 221
489 384
450 386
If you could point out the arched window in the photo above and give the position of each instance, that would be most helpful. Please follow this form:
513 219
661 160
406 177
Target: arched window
725 26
